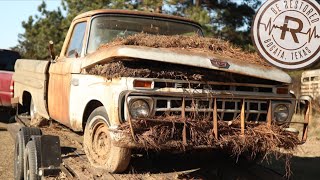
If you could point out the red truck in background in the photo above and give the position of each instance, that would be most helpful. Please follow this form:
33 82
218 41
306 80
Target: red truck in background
7 61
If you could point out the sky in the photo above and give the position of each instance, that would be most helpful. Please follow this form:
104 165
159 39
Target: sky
12 13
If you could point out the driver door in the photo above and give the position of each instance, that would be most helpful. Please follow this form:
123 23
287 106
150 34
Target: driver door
60 74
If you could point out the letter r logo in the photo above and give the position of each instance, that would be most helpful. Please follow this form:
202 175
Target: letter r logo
293 32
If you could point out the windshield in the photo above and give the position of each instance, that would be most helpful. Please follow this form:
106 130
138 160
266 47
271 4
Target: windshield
106 28
8 59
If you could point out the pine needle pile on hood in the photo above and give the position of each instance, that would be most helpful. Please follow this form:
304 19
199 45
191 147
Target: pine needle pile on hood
194 44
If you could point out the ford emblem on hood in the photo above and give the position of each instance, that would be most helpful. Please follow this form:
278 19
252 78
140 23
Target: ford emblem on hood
219 64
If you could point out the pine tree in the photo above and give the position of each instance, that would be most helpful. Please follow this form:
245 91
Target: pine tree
222 18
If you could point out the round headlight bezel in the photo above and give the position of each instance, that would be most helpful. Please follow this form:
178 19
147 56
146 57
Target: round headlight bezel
281 113
139 108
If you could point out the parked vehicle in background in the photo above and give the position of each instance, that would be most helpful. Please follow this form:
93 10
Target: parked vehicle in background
310 84
7 61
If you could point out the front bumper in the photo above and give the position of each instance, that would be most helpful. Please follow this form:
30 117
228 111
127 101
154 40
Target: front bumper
212 128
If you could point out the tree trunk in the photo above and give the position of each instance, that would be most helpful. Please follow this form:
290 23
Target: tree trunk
197 3
159 6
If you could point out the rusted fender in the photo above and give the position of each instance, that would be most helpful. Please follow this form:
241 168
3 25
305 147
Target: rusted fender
184 57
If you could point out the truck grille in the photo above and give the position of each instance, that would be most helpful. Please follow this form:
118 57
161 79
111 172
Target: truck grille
228 109
215 86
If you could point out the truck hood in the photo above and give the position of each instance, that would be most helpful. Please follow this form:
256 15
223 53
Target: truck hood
185 57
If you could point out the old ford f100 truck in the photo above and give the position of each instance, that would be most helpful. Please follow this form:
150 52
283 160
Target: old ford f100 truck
64 90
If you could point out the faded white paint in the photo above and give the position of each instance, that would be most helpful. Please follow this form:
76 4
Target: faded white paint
30 76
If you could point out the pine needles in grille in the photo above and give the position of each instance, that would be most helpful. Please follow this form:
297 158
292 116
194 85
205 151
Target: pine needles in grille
258 140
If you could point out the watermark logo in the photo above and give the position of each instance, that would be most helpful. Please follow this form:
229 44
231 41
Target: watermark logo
287 32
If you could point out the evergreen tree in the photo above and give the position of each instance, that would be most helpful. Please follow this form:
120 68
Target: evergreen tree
226 19
39 30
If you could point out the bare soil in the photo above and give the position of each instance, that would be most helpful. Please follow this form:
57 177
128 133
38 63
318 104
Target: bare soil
6 149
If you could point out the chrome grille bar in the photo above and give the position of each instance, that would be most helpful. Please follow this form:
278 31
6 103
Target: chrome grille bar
253 108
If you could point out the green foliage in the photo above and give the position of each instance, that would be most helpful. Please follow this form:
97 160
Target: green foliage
39 30
223 18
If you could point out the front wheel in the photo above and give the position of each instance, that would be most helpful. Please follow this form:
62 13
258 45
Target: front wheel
98 147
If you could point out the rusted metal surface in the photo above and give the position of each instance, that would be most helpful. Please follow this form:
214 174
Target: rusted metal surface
269 115
130 12
215 119
242 118
59 88
129 118
184 131
307 121
183 57
58 98
59 91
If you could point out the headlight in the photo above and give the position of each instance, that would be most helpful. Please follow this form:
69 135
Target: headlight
139 109
281 113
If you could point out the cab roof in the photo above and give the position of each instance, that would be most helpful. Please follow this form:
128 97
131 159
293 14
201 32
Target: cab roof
132 12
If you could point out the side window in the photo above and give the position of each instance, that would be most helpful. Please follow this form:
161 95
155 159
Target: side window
76 41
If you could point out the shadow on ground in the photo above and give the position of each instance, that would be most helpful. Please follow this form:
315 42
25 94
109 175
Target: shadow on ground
200 165
301 167
6 115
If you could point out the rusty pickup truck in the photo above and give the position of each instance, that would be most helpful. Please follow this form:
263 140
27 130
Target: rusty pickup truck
61 89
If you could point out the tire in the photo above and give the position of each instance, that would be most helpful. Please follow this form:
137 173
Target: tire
98 147
22 139
31 161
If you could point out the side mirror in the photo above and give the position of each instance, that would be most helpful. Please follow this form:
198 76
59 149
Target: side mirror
73 53
51 52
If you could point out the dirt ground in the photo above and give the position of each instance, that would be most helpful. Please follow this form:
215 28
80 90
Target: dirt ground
6 150
207 165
